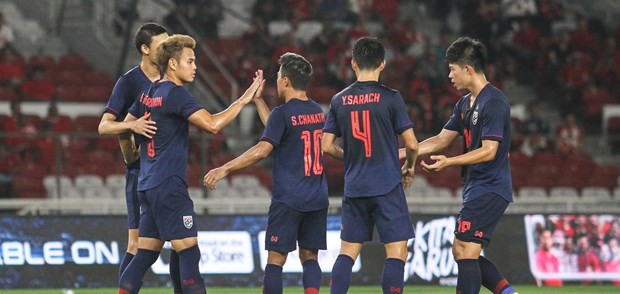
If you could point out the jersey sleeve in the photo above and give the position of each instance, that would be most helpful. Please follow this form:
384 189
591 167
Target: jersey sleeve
275 128
454 123
331 122
117 98
400 119
493 120
184 103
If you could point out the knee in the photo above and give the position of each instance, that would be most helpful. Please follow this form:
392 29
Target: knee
132 247
307 254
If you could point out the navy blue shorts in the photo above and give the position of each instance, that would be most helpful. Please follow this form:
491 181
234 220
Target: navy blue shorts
478 218
287 226
131 198
388 212
167 212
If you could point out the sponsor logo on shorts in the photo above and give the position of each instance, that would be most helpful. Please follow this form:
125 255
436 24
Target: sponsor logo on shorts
478 234
274 239
188 221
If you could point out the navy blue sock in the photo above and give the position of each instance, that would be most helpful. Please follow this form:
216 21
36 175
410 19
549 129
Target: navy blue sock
341 275
124 263
131 279
175 272
311 277
191 280
492 278
469 278
272 281
393 276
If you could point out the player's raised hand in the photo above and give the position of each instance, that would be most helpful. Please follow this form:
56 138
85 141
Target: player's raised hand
261 86
440 162
251 91
213 176
144 126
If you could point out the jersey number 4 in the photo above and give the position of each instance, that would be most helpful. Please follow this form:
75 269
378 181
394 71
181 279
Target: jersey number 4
310 165
363 136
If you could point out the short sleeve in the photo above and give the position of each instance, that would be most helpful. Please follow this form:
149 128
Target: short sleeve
331 122
184 103
116 103
275 128
400 119
454 123
493 120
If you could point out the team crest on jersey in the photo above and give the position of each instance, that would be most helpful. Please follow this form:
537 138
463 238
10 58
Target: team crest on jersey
474 118
188 221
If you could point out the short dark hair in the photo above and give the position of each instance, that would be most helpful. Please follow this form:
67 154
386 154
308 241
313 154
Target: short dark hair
467 51
297 69
368 53
172 47
144 35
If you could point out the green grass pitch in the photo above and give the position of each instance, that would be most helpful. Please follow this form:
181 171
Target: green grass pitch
353 290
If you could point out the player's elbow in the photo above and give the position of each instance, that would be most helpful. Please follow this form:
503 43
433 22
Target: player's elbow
102 129
413 146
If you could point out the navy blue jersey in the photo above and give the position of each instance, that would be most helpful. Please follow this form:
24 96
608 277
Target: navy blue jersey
487 119
165 155
369 116
125 92
295 130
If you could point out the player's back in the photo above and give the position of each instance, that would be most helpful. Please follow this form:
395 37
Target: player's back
369 118
164 155
295 129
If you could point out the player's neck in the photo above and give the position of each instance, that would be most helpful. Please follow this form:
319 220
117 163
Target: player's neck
300 95
368 75
150 70
172 78
478 83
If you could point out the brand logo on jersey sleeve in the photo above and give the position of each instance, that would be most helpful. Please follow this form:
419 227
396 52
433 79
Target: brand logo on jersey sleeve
188 221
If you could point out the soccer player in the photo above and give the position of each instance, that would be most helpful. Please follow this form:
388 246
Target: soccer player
167 212
369 117
482 117
298 211
125 92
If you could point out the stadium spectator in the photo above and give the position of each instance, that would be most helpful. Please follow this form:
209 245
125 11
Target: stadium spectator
546 260
6 33
569 136
535 129
37 87
587 259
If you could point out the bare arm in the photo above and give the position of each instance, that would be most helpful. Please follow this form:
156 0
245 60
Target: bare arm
143 126
411 153
433 144
253 155
261 106
329 146
127 143
485 153
213 123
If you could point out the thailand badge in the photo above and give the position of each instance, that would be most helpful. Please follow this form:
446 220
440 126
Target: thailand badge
188 221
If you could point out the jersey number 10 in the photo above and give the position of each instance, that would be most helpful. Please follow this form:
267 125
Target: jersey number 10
312 139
